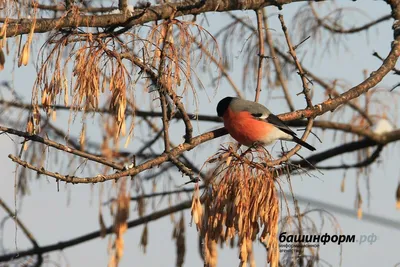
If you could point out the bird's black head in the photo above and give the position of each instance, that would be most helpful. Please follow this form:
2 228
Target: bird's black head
223 105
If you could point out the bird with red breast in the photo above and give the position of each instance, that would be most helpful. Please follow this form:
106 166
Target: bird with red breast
251 123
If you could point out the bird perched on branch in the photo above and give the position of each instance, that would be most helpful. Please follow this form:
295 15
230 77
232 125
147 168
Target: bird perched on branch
251 123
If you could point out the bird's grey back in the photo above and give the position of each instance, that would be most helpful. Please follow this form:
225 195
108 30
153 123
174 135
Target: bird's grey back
239 104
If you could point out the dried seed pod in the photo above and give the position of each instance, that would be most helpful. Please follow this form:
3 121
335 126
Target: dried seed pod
2 59
144 239
103 228
24 57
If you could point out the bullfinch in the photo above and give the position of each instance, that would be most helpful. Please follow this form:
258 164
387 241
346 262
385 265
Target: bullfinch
251 123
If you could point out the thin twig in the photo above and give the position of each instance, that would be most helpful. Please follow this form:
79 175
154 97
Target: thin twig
150 143
335 28
21 225
61 147
299 219
221 67
277 63
189 168
25 230
175 99
165 32
128 112
158 194
165 121
366 162
182 167
166 193
294 150
297 63
329 88
260 52
320 81
96 234
132 171
395 70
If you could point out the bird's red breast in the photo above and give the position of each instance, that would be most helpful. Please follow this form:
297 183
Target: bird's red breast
244 128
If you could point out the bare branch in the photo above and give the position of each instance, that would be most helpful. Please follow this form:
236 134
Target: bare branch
165 193
320 81
292 52
169 91
133 171
260 52
82 9
277 64
136 112
333 152
96 234
61 147
21 225
139 16
339 29
221 67
366 162
356 91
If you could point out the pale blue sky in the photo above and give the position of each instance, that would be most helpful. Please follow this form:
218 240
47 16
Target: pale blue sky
58 216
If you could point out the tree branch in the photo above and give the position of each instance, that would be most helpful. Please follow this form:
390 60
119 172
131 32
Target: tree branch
135 170
139 16
96 234
277 64
301 72
221 67
61 147
260 52
356 91
171 93
320 81
333 152
338 29
366 162
24 229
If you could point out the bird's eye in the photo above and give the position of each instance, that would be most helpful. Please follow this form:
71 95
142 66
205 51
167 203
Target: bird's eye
257 115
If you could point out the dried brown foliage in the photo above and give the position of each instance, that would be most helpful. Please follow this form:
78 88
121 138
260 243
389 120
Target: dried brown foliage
241 202
2 59
120 224
95 70
179 236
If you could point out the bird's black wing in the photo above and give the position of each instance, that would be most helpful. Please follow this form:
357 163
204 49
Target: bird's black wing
275 121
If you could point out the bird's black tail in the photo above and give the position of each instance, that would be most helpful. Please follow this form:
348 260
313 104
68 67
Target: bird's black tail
301 142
